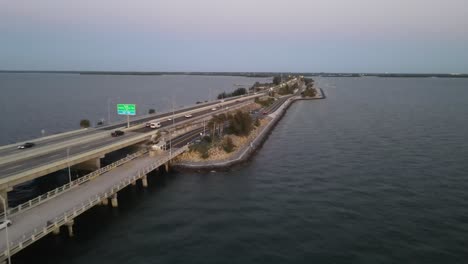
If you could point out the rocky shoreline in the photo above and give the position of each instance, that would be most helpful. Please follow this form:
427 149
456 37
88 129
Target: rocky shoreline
250 144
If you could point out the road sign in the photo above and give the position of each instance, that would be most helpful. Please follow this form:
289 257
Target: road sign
126 109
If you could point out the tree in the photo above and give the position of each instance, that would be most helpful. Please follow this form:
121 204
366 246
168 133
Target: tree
257 122
277 80
239 91
240 124
84 123
151 111
228 145
222 95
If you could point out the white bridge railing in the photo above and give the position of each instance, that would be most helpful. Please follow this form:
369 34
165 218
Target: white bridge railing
57 191
54 223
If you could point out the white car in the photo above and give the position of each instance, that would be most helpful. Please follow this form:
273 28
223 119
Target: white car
188 116
169 119
213 109
4 224
154 125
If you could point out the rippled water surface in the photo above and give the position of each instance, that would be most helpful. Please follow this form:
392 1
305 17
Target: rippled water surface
376 173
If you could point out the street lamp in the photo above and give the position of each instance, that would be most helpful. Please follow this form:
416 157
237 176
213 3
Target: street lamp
109 109
173 121
5 211
68 163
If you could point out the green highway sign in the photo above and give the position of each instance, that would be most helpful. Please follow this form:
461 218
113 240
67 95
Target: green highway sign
126 109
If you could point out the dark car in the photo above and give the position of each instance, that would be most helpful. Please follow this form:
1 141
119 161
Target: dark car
26 145
117 133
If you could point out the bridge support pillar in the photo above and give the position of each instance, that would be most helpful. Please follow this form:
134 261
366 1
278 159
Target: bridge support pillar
144 181
104 201
4 194
56 231
114 201
166 166
91 165
133 183
70 228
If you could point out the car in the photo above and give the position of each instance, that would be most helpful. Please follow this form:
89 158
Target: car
214 109
117 133
169 119
5 223
155 125
188 116
265 112
26 145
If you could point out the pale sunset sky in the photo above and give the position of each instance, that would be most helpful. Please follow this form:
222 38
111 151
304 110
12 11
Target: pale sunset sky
417 36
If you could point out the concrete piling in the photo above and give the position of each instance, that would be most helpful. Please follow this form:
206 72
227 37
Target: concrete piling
114 201
144 181
70 228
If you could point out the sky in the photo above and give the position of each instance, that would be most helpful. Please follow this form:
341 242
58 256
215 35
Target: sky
416 36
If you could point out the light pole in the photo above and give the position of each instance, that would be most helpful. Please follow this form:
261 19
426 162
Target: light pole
5 211
173 122
109 109
68 163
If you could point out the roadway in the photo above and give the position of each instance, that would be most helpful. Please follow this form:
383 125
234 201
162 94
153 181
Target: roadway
92 132
26 164
19 166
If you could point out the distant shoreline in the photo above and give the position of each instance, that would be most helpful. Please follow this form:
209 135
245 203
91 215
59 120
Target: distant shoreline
257 74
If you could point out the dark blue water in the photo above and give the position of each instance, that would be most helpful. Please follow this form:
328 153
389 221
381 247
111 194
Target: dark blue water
376 173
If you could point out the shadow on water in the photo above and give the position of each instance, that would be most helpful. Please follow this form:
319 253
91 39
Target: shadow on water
98 221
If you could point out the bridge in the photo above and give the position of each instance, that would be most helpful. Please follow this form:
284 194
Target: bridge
46 213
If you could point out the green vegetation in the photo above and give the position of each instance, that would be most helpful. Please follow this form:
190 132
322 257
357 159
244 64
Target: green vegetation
240 124
151 111
257 122
287 89
265 103
276 80
228 145
84 123
309 92
203 147
308 81
237 92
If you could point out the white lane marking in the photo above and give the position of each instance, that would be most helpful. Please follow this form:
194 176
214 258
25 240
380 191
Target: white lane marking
16 166
85 146
55 155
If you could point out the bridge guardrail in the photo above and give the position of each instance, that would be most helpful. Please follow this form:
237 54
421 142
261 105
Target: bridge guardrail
37 233
59 190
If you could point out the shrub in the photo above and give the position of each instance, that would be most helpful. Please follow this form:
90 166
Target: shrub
228 145
257 122
84 123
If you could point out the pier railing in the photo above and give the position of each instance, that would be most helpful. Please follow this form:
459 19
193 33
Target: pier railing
59 190
54 223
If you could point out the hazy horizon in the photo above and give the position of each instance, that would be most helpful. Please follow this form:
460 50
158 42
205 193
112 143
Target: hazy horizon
236 36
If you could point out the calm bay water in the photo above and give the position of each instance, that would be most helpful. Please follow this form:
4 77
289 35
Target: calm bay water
376 173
